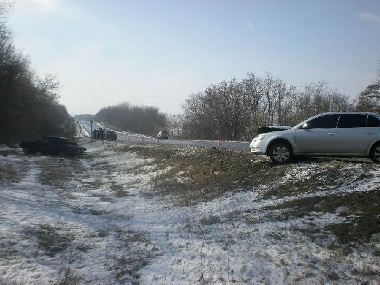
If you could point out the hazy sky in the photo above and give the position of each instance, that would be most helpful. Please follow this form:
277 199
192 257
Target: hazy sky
158 52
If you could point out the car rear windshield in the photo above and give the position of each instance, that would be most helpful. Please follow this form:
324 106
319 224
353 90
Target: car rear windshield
357 121
372 121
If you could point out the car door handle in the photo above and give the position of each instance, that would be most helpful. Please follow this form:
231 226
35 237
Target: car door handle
370 134
331 134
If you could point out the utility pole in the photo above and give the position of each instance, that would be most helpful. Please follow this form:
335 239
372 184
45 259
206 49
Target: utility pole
91 121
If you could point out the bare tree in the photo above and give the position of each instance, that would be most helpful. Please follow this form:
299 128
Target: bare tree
369 99
252 96
29 105
234 110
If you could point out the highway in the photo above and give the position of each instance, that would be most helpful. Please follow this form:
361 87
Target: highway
125 136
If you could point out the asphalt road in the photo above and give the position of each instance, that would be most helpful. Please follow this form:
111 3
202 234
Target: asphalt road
125 136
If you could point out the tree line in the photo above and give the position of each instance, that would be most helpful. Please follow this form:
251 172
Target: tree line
235 109
136 119
29 104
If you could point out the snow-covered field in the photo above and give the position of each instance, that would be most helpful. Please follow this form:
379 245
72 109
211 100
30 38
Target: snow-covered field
90 220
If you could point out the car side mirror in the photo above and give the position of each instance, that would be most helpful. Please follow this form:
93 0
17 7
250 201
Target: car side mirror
305 126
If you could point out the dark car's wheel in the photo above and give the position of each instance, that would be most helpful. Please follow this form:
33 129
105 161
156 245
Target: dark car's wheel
280 152
28 150
375 153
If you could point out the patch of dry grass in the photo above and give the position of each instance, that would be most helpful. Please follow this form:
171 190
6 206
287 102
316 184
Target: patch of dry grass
10 174
202 174
59 171
49 238
193 174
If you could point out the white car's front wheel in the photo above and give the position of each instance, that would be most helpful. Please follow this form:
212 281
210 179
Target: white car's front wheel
280 153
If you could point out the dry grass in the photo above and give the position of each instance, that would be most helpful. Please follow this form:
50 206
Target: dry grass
49 239
10 174
202 174
189 175
193 175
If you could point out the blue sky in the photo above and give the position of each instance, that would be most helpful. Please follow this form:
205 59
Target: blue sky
159 52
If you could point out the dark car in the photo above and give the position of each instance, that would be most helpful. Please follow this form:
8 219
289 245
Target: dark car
52 145
163 135
110 135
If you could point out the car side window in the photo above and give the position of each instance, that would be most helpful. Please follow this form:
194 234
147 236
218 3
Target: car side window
372 121
323 122
352 121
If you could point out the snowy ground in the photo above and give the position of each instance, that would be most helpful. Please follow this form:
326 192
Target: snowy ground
90 220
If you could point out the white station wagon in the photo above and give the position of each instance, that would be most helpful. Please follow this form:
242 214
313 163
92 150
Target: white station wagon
329 134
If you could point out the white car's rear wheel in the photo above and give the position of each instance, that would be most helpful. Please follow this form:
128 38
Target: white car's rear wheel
375 153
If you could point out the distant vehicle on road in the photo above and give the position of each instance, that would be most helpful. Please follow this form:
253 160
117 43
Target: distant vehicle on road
53 146
330 134
102 134
110 135
98 134
163 135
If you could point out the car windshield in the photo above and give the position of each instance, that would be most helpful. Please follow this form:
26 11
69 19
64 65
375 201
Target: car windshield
300 125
